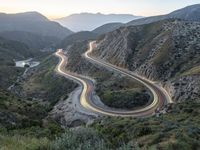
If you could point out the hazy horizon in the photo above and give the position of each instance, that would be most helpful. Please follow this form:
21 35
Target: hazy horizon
55 10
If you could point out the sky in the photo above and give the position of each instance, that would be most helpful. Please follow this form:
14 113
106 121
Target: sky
59 8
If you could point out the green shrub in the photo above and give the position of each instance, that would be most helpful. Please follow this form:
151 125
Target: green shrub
80 139
18 142
125 99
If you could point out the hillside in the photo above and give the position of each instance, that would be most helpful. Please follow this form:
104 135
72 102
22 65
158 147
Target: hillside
25 108
107 28
32 40
91 21
43 84
32 22
77 37
163 50
10 49
24 120
190 13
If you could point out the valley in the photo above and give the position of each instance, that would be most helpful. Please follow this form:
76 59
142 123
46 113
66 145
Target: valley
125 82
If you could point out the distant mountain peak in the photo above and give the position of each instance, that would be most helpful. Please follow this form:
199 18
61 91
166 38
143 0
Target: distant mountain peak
31 12
26 16
187 13
33 22
90 21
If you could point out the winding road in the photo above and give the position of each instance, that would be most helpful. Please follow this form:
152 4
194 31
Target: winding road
87 101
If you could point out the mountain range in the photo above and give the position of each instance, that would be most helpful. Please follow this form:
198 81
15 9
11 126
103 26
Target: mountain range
89 21
189 13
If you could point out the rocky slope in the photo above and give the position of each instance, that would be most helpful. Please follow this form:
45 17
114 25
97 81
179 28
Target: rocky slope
167 50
